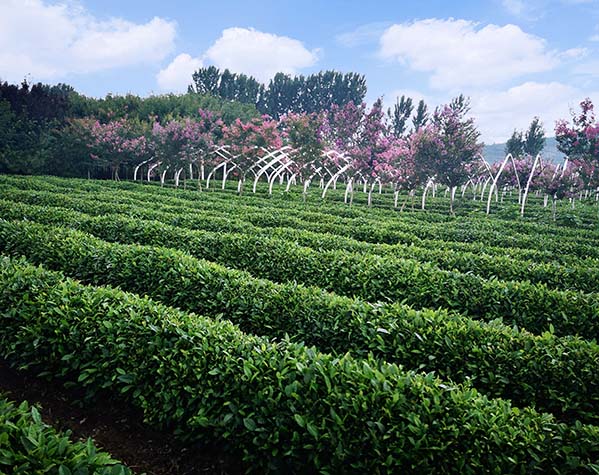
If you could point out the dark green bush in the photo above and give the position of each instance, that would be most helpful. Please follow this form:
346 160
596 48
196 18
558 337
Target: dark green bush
555 374
286 407
29 446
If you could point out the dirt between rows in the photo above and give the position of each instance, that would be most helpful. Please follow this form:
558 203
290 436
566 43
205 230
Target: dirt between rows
115 428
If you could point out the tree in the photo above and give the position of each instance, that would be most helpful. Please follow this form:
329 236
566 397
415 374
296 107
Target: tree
187 142
420 119
249 141
580 142
369 154
534 139
116 143
402 110
206 80
447 146
282 96
515 144
305 133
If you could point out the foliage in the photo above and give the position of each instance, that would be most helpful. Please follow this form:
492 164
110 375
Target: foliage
305 133
284 94
116 143
28 445
534 139
402 111
249 141
448 145
515 145
421 117
179 143
580 142
305 411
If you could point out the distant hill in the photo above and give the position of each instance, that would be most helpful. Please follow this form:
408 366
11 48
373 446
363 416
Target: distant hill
496 152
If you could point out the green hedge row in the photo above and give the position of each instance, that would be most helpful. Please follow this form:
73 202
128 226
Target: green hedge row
560 277
286 407
554 374
549 246
189 198
521 233
373 278
28 446
108 203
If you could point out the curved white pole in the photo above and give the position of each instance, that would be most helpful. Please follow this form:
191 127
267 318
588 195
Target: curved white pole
138 167
334 177
163 176
280 171
151 167
177 175
494 184
278 155
532 172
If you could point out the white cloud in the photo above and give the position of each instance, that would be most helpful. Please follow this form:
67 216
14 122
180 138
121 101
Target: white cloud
51 41
177 75
459 53
574 53
364 34
588 68
259 54
515 7
497 113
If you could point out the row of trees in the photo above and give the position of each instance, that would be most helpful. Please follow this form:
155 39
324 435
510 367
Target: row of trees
350 142
284 93
407 147
531 142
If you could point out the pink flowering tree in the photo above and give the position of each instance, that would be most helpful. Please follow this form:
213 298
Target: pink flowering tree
211 129
365 140
187 143
401 167
343 126
580 142
249 141
372 153
305 133
446 147
117 143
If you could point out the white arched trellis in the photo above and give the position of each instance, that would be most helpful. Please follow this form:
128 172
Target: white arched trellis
272 159
532 172
138 167
508 157
335 157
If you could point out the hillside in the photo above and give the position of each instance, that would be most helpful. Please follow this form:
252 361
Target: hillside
495 152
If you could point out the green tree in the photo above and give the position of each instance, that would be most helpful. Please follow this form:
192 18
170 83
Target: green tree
420 119
206 81
402 110
515 144
534 139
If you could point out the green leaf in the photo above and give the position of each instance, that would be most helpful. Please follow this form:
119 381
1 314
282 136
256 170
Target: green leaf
63 470
249 424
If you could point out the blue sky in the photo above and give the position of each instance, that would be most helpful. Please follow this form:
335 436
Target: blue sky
514 58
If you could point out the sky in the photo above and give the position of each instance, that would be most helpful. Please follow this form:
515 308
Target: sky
515 59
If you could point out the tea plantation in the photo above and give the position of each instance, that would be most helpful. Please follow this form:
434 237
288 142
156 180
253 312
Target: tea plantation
309 337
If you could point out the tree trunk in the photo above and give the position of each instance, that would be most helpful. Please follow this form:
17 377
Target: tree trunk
451 199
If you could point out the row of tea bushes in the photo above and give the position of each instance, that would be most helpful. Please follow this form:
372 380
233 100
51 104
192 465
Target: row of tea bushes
28 446
560 277
286 407
554 374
